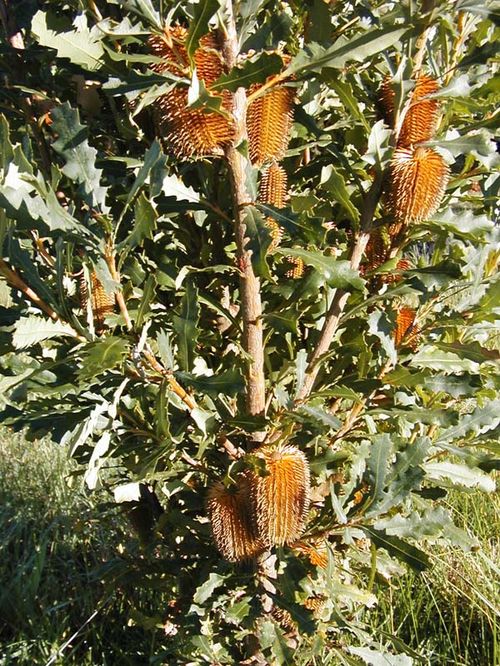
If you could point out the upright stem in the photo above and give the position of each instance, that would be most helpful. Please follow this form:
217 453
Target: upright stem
251 304
340 298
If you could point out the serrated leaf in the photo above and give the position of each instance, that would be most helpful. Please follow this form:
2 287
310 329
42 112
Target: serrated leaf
381 327
151 157
103 355
185 325
146 10
229 382
29 331
448 362
81 46
206 589
359 48
321 416
379 149
173 186
259 240
255 70
414 557
480 421
459 475
148 295
338 273
480 143
377 464
373 657
72 144
464 224
332 181
198 26
145 217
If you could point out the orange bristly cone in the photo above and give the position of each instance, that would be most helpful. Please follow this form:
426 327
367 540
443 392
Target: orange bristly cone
280 500
101 302
230 521
417 182
421 119
273 191
297 269
405 326
377 250
269 120
190 131
314 550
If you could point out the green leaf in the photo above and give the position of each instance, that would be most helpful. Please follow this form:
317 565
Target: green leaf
229 382
381 327
145 217
103 355
464 224
206 589
29 331
161 422
332 181
480 143
72 143
153 154
198 26
321 416
414 557
259 240
377 464
173 186
359 48
462 476
379 149
373 657
338 273
186 326
480 421
255 70
146 10
81 46
448 362
148 295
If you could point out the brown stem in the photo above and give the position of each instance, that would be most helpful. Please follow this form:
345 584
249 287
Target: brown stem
110 260
341 296
18 283
251 305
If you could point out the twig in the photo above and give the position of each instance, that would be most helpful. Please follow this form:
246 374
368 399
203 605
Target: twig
251 305
110 261
18 283
341 296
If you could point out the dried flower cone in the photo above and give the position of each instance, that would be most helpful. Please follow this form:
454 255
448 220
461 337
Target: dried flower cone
402 265
190 131
405 327
280 500
377 250
421 119
101 302
269 120
387 98
231 526
273 191
417 181
315 550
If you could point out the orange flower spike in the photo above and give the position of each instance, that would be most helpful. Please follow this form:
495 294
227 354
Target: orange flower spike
420 121
297 269
280 500
231 527
417 182
273 191
269 120
405 320
190 131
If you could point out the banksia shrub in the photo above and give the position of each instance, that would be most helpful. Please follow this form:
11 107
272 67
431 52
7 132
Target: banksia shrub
190 131
417 181
273 191
101 303
269 120
231 526
280 500
405 327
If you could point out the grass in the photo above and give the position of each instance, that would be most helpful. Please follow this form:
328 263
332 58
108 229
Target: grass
55 608
451 613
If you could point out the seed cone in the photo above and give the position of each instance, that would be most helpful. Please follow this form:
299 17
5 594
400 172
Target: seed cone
190 131
269 120
273 191
417 181
101 302
405 320
231 526
280 500
420 121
